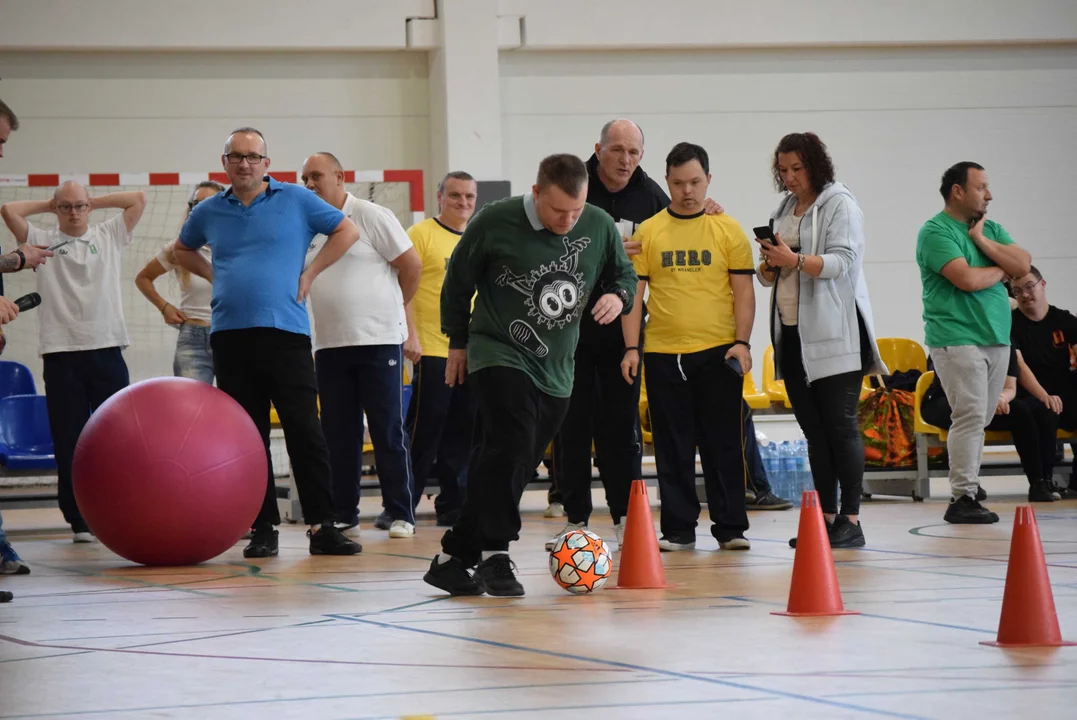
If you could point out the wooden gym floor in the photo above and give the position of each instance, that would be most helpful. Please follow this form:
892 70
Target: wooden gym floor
91 636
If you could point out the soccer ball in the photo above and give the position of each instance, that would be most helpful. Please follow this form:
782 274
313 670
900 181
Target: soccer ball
580 562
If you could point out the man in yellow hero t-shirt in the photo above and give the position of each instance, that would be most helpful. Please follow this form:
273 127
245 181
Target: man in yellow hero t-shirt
438 420
700 314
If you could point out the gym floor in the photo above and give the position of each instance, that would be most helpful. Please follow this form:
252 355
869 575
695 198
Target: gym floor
89 635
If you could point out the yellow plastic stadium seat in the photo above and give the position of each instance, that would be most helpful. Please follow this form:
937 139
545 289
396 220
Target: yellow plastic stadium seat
644 414
902 354
756 399
775 389
919 425
897 354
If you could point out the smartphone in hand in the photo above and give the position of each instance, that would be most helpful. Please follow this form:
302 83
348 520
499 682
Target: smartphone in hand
734 365
765 233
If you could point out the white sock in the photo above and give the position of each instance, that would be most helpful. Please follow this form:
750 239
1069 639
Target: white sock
487 554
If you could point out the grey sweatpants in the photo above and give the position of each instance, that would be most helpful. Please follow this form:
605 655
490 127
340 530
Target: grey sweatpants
972 378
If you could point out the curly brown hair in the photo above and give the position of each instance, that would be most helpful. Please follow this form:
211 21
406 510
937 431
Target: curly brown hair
813 154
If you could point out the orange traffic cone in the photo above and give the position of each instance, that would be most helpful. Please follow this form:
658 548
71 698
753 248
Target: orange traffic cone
1028 606
814 590
641 565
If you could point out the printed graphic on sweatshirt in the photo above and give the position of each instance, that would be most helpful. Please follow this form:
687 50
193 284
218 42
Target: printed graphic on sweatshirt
555 296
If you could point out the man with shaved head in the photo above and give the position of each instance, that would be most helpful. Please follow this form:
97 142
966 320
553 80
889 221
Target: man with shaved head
81 320
603 406
258 232
359 331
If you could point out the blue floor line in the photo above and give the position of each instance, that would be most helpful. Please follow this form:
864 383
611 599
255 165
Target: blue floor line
631 666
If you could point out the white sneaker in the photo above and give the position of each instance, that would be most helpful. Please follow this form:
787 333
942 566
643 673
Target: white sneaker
83 537
569 527
401 529
737 543
554 510
619 528
348 529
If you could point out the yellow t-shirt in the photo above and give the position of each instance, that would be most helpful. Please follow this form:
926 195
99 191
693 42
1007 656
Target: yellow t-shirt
434 242
686 262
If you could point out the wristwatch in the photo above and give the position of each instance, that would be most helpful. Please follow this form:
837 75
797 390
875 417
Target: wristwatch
622 294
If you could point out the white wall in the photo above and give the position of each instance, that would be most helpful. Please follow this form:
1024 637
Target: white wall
207 24
894 119
168 112
899 90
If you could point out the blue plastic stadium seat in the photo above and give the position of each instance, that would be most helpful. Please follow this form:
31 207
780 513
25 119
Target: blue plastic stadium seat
25 440
16 379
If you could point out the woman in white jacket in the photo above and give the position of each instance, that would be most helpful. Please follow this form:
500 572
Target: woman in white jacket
820 324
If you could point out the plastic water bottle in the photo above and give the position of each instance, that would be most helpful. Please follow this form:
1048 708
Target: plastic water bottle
788 468
769 454
803 473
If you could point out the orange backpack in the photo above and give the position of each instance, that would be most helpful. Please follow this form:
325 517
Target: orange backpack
886 423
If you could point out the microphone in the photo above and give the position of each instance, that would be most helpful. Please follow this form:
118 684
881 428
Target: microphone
27 302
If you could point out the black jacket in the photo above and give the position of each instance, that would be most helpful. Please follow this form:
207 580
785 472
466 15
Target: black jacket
639 200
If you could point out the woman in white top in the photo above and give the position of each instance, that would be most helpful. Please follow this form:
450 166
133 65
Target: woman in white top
193 358
821 325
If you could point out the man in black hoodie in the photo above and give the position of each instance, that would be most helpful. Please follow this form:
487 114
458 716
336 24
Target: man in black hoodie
603 406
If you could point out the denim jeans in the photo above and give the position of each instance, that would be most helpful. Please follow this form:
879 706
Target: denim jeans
194 358
3 535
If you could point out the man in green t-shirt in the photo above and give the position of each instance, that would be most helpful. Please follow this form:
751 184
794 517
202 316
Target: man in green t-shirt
963 258
534 262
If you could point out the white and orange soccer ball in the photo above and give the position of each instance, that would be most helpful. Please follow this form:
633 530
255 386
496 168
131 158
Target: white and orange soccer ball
580 562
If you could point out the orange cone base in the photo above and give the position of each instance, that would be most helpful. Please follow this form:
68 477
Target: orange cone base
1028 616
1061 643
815 614
813 590
640 566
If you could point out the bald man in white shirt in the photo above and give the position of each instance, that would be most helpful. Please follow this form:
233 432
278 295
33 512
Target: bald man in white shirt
359 330
81 320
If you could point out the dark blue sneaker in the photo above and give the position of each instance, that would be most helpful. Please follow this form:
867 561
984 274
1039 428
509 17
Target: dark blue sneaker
10 562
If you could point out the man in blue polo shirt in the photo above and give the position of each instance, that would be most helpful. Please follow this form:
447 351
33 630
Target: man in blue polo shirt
259 231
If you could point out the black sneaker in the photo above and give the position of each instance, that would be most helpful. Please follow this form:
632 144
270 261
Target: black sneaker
448 518
966 511
383 521
981 494
330 540
829 531
453 578
6 597
263 544
1042 492
844 534
769 501
497 576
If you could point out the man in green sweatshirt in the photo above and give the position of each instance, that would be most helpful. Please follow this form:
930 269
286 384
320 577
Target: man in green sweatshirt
534 261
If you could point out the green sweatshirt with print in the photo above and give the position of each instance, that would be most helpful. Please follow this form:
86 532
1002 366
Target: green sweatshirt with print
532 288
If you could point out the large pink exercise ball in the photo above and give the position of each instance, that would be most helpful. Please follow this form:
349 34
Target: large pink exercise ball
169 471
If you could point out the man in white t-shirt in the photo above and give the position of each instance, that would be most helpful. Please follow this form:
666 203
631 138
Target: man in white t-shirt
81 314
359 330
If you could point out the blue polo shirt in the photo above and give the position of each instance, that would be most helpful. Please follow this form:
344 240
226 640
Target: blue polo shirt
258 254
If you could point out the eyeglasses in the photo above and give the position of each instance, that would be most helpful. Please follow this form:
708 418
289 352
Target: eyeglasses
77 207
1027 288
236 158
